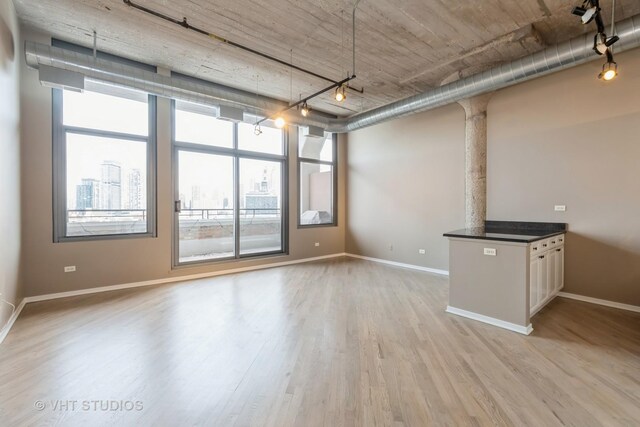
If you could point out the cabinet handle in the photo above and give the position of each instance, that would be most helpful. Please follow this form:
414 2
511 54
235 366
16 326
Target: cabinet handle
558 250
553 242
541 256
544 246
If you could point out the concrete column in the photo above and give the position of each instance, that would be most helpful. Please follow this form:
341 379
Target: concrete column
476 159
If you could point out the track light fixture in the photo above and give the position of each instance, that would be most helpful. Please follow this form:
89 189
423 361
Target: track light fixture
586 14
257 130
602 45
609 71
305 110
280 122
341 93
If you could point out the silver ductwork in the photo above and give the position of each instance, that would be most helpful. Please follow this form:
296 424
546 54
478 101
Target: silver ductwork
555 58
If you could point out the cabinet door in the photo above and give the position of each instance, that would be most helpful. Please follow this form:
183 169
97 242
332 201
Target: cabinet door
543 291
559 279
534 283
551 272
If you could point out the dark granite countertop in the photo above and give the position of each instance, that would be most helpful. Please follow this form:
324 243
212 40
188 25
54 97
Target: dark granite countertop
511 231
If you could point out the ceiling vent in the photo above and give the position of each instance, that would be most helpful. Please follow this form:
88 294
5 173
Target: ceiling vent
230 114
58 78
313 132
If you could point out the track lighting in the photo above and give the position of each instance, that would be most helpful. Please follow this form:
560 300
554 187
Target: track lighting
305 110
609 71
601 43
280 122
589 14
256 130
341 93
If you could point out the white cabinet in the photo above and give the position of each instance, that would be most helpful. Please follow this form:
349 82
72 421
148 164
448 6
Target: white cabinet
546 274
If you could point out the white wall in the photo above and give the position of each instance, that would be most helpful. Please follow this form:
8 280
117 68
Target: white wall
9 160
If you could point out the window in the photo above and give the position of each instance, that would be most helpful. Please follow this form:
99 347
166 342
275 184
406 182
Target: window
104 163
230 187
317 179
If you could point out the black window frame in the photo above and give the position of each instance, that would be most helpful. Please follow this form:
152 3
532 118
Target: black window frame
59 158
334 169
237 155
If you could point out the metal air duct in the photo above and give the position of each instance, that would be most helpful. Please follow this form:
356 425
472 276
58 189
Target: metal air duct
555 58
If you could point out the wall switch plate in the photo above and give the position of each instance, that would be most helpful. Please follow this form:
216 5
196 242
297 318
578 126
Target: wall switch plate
70 269
422 251
560 208
317 243
490 251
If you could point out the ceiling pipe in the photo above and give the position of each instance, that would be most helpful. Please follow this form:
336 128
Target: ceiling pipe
555 58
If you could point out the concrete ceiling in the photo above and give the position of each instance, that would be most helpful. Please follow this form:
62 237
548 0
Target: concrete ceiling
403 46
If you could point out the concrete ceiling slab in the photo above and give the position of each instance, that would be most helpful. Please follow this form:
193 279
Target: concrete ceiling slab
403 47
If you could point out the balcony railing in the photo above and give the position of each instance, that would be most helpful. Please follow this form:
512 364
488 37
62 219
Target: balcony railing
106 215
228 213
115 215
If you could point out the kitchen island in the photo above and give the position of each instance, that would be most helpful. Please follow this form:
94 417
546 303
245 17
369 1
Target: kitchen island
506 271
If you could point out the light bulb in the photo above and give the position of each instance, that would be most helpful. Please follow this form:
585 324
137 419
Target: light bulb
609 75
609 71
304 110
280 122
256 130
340 94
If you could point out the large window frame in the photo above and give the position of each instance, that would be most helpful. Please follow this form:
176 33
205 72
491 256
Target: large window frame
60 131
237 155
334 169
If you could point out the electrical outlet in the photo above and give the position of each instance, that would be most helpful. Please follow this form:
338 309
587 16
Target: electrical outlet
317 244
422 251
560 208
490 251
70 269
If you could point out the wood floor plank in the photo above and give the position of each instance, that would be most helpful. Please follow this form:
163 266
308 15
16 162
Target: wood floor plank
342 342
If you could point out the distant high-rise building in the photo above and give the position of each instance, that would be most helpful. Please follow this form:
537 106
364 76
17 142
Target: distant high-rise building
111 185
195 197
262 201
135 190
88 194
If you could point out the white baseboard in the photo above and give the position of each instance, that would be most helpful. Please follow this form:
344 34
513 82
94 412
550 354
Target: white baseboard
11 321
401 264
175 279
525 330
598 301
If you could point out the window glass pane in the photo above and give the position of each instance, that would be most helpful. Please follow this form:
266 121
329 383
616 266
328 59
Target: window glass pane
315 148
203 129
269 141
106 186
260 206
316 194
98 111
206 224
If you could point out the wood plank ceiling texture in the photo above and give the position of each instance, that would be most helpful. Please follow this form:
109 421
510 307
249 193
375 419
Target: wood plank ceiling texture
403 47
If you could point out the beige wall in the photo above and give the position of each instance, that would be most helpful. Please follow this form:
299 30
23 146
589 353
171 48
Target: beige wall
569 139
565 139
109 262
406 187
9 161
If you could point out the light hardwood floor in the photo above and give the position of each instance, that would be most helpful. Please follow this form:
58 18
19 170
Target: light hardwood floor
337 343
